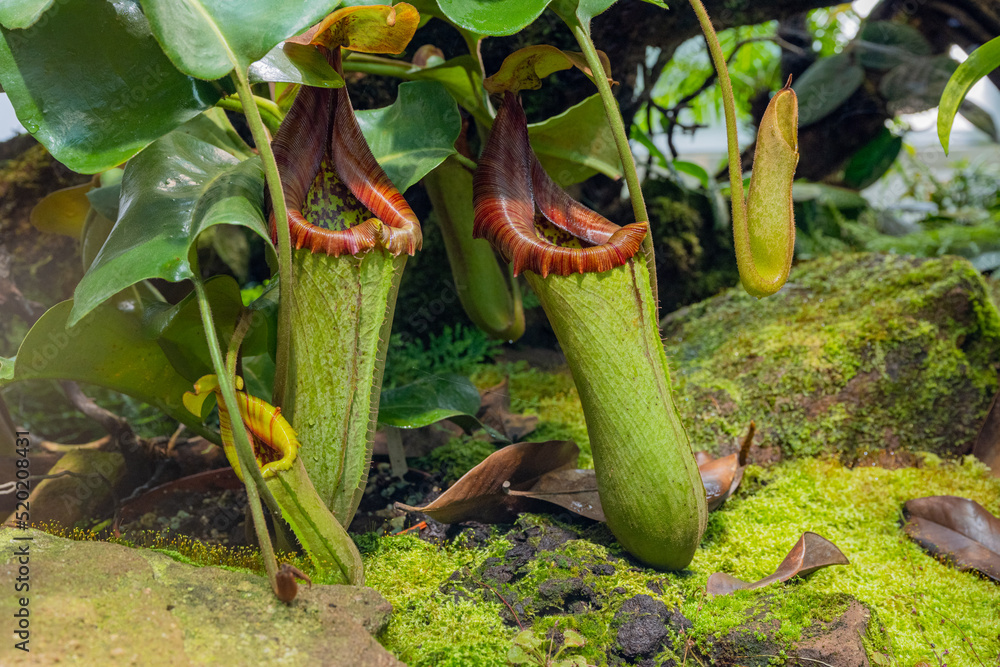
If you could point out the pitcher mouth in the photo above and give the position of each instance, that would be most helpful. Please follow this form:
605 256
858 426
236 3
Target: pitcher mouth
510 186
321 132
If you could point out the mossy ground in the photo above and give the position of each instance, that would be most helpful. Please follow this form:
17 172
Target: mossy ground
920 601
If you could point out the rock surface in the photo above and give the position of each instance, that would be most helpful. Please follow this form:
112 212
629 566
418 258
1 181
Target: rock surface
856 354
93 603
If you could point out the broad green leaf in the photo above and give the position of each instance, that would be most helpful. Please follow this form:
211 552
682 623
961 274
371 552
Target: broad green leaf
884 44
208 38
576 144
92 84
429 400
825 85
179 332
980 62
214 127
490 17
581 10
16 14
109 350
429 9
415 133
460 76
873 160
174 190
296 63
104 200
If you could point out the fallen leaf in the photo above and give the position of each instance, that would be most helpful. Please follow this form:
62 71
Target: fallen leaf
494 411
574 489
958 529
987 447
809 554
220 479
480 495
722 476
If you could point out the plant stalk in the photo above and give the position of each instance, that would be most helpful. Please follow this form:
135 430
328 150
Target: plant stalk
282 357
729 106
248 463
270 114
582 34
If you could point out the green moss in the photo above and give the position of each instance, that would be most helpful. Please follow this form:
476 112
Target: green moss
909 592
455 458
425 628
551 396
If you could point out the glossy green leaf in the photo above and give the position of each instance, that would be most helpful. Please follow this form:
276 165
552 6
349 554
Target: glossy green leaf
208 38
873 160
825 85
92 84
492 17
296 63
429 400
576 144
415 133
174 190
980 62
179 332
884 44
109 350
214 127
460 76
104 200
16 14
581 10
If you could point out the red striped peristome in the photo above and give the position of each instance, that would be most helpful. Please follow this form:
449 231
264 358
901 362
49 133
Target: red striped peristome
508 186
321 121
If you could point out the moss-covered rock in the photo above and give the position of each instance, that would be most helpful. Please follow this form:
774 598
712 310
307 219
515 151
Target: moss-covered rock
856 353
94 603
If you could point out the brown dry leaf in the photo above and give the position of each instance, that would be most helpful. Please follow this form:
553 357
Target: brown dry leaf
572 489
809 554
987 447
220 479
480 495
494 411
958 529
722 476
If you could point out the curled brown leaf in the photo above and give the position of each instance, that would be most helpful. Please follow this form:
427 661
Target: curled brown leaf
480 494
809 554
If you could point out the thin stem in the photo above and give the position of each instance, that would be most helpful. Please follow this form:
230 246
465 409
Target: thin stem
282 358
253 480
582 34
732 141
464 161
269 111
